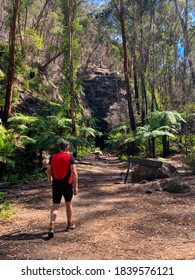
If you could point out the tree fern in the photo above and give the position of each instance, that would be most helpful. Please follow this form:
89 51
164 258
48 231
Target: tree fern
87 131
165 118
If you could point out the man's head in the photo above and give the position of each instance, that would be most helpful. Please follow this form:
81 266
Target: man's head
64 145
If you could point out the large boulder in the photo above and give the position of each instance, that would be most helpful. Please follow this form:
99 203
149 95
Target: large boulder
148 173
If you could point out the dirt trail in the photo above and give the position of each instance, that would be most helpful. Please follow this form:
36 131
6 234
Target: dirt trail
113 220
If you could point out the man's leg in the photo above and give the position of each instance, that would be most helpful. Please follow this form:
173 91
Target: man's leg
69 211
53 215
68 194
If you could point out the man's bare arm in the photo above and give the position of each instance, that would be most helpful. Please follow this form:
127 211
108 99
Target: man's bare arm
49 174
74 178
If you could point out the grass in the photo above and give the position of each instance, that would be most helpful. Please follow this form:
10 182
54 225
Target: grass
6 207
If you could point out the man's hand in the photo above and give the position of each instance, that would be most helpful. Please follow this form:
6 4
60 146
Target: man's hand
75 190
50 182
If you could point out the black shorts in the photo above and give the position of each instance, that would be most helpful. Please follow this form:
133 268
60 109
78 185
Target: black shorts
61 188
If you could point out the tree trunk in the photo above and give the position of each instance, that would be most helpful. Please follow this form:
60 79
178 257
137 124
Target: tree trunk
40 158
71 74
41 15
127 84
11 66
43 67
142 77
165 145
153 148
153 61
134 59
184 26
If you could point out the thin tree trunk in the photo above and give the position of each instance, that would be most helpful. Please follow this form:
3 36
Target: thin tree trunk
41 15
20 35
184 26
11 67
134 59
153 62
26 17
70 55
42 68
153 147
127 84
165 145
91 53
142 77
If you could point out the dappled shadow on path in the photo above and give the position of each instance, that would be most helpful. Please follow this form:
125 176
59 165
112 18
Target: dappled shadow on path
15 236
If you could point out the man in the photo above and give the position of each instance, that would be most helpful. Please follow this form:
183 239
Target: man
62 175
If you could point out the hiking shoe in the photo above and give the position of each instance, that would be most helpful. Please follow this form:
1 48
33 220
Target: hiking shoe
70 227
51 233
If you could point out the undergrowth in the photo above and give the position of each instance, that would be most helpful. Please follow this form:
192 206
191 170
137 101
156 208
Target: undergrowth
6 207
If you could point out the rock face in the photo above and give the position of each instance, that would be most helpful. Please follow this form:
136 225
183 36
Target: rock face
148 173
30 105
105 96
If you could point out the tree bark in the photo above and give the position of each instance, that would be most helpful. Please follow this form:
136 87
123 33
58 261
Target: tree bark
134 59
142 78
41 15
11 66
43 67
71 74
184 26
153 147
126 71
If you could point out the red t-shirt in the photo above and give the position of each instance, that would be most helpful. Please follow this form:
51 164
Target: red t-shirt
60 164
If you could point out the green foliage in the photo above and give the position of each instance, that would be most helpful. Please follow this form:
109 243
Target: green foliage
36 134
158 125
167 119
191 160
6 207
87 132
7 147
59 124
6 210
146 132
118 136
32 39
2 75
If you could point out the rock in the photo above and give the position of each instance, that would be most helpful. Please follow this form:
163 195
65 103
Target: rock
149 191
141 172
102 92
175 186
167 171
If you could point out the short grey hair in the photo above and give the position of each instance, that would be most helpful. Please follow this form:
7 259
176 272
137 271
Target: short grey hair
64 145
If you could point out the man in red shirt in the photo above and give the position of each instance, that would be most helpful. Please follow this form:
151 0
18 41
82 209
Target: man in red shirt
62 175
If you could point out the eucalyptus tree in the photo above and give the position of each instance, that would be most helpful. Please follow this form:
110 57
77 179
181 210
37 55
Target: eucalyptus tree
185 22
70 10
11 66
119 7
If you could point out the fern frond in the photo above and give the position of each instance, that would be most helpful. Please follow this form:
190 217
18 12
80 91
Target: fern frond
87 131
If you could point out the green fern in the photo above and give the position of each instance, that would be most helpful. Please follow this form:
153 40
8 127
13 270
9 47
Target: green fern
157 119
87 131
